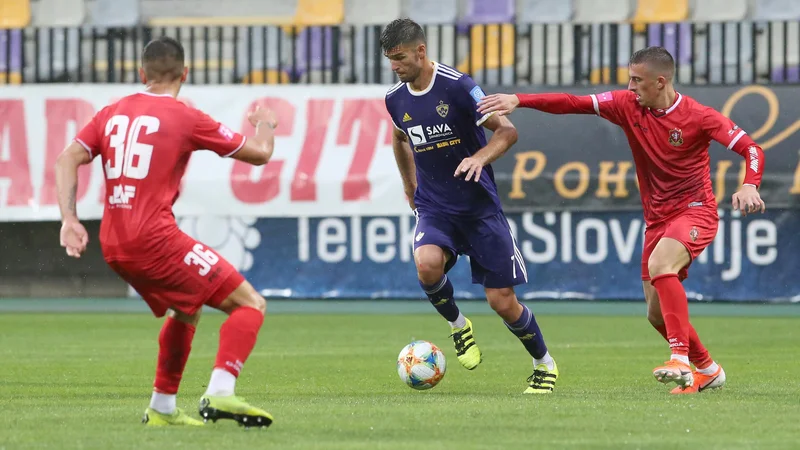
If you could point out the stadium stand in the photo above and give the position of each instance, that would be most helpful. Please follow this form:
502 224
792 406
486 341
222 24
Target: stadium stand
532 41
14 13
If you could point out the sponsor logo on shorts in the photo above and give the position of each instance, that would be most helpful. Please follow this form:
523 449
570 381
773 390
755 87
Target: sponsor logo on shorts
420 235
693 233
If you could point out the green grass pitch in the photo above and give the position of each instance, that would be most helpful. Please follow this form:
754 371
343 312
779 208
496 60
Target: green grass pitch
82 381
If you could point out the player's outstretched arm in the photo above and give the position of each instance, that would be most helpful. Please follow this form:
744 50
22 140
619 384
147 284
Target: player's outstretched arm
73 235
503 137
503 104
405 163
258 149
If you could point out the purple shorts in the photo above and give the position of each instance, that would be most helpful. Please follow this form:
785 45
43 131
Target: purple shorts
495 260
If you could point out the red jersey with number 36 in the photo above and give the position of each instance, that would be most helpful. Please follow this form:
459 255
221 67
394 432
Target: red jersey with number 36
145 142
670 147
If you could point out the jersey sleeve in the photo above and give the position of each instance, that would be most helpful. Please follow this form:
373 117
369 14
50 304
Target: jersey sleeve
212 135
723 130
471 96
389 112
608 105
91 135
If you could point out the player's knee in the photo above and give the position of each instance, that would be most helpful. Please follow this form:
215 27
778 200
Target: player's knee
657 265
503 302
256 301
193 319
429 270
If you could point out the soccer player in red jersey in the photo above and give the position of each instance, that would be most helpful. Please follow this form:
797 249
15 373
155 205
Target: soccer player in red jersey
145 141
669 135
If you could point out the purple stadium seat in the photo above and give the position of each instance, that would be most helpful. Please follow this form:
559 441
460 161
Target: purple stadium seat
674 34
11 61
792 75
487 12
321 56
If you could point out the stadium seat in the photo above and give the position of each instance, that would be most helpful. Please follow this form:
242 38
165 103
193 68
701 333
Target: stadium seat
496 51
601 11
371 12
59 13
319 12
719 10
776 10
115 13
544 11
673 36
10 63
488 12
314 51
269 76
660 11
431 12
15 13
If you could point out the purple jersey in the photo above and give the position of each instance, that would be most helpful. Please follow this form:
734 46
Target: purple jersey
444 127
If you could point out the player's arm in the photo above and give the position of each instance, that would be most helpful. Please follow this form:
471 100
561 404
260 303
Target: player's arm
603 105
258 149
73 235
405 163
503 104
726 132
503 137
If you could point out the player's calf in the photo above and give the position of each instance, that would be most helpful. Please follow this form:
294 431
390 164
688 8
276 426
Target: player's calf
521 321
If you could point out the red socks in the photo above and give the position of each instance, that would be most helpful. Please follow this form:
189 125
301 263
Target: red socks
675 309
174 345
698 355
237 337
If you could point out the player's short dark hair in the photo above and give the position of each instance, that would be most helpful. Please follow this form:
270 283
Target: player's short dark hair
162 59
656 57
401 32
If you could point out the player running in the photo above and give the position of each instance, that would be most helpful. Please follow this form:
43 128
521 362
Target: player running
447 175
145 141
669 135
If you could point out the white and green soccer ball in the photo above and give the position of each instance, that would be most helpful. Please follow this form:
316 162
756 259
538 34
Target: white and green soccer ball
421 365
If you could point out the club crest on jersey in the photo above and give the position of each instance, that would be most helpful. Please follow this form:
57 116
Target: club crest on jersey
443 109
676 137
693 233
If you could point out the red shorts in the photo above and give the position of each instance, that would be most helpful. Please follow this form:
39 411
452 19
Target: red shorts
183 275
695 228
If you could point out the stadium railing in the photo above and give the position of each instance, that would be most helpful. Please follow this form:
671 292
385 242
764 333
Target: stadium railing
502 54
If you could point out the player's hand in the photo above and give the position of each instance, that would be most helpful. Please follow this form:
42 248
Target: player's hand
74 237
472 167
502 104
748 200
262 115
410 198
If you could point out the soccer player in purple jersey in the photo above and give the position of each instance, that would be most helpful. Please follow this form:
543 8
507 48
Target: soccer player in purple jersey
445 163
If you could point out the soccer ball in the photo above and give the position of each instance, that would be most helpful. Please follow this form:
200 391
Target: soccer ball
421 365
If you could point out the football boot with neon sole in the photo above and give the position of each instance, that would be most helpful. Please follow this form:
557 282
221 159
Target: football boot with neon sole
231 407
469 355
153 418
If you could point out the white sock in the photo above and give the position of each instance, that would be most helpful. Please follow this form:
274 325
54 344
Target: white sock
221 384
547 360
710 370
460 321
163 403
682 358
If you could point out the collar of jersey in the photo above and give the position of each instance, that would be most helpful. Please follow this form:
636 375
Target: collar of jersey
153 95
661 112
430 85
